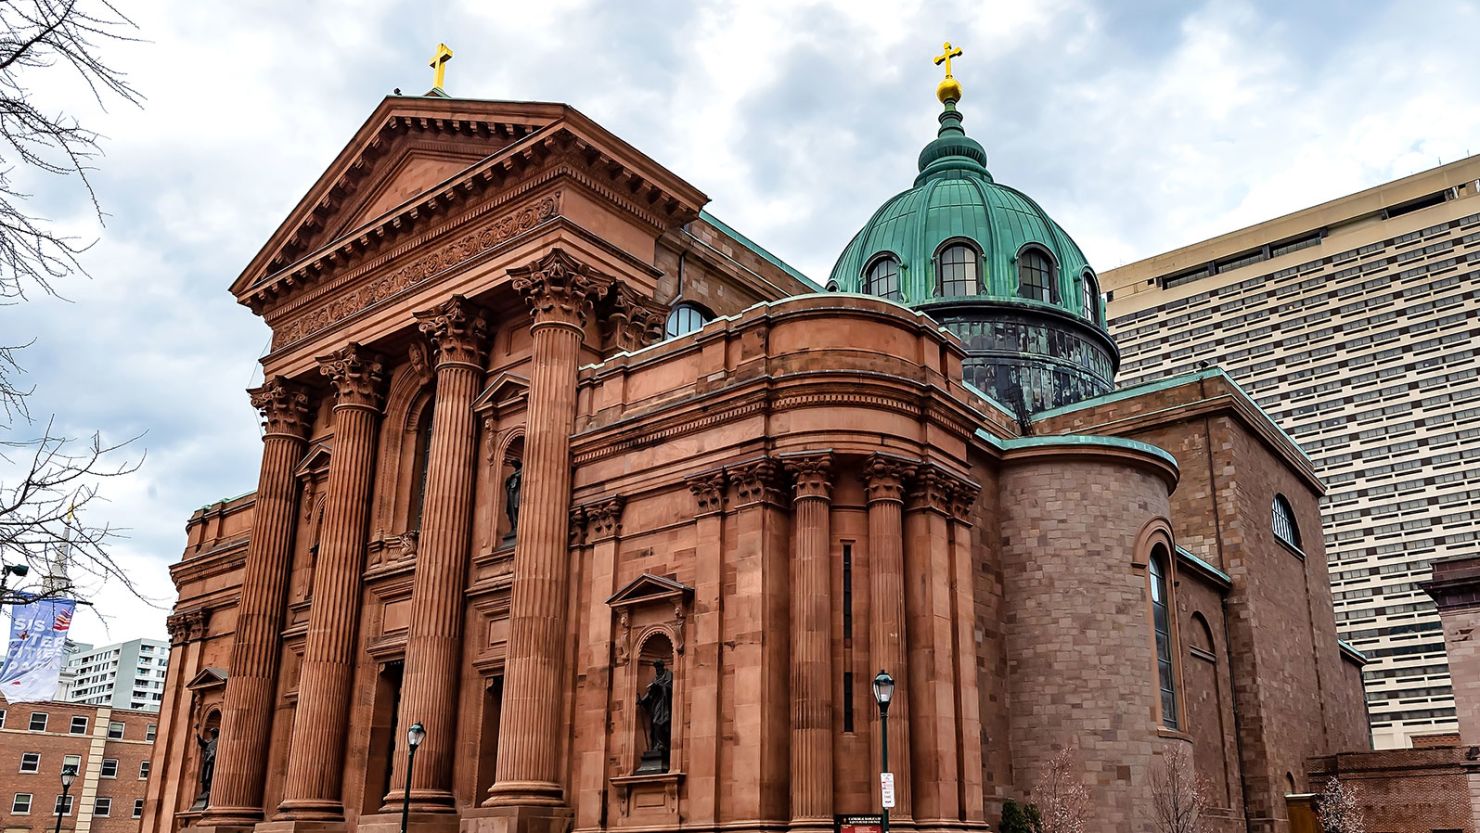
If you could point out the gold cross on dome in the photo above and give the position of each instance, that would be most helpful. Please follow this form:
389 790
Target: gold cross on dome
439 65
945 58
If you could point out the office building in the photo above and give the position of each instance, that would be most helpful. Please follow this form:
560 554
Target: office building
125 675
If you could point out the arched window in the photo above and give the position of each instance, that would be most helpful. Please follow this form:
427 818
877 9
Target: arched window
1161 623
1035 275
423 461
684 319
1283 521
1091 287
956 271
883 278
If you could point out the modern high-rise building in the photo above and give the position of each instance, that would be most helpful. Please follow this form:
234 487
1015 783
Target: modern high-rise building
1354 325
125 675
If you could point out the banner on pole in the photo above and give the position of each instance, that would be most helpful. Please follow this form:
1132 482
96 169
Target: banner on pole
38 639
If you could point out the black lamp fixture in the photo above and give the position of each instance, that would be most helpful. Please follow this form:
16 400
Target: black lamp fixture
414 736
883 691
884 695
69 774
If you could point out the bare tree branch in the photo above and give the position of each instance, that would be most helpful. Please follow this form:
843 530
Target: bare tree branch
1179 799
1061 796
1340 809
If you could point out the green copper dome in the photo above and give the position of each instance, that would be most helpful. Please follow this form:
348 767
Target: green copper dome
985 260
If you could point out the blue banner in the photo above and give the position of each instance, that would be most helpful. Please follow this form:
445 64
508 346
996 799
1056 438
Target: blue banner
38 638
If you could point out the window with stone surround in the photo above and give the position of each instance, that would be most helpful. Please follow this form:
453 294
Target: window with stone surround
79 725
20 805
30 762
1283 522
1036 275
685 318
102 807
1161 621
38 721
138 808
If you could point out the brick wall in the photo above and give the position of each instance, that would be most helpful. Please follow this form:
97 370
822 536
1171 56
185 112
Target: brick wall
1406 790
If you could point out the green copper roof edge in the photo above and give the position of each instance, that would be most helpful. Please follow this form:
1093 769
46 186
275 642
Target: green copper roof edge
759 250
226 500
1070 440
1186 554
1352 649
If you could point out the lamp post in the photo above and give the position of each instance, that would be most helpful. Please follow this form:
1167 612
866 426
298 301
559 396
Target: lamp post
883 694
69 774
8 570
413 740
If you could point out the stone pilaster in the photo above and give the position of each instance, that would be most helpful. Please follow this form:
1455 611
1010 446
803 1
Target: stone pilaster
884 480
968 703
560 293
599 527
702 735
811 644
312 789
933 762
246 714
459 332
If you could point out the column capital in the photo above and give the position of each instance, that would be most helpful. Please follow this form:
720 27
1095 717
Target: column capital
709 491
756 481
604 518
929 490
559 289
963 497
810 475
577 532
284 407
884 478
356 373
187 625
632 322
458 329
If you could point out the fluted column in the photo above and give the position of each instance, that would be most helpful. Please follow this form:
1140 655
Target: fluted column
560 293
811 645
968 690
312 789
933 730
246 715
884 481
434 635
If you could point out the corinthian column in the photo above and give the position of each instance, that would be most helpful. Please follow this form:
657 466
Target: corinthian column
560 293
434 634
811 646
312 789
246 715
884 480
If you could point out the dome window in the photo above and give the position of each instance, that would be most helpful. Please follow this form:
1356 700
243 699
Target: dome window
684 319
1091 308
883 278
1035 275
957 269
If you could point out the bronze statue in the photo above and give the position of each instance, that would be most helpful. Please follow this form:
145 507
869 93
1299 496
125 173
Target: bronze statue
657 701
511 498
207 765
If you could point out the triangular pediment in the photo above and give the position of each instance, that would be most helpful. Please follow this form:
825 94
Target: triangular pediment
209 677
648 588
506 389
316 458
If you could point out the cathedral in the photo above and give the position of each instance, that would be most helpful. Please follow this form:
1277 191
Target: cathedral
618 516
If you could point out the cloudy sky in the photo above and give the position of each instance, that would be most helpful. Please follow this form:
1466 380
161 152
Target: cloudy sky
1140 126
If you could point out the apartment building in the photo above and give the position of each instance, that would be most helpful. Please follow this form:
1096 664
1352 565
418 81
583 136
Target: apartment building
125 675
1354 325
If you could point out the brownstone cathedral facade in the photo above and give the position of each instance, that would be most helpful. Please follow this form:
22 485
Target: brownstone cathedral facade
627 514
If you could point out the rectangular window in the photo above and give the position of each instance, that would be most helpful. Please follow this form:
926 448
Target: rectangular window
38 721
847 593
2 718
21 804
115 731
79 725
74 761
847 701
63 805
150 731
110 768
143 770
138 808
30 762
103 807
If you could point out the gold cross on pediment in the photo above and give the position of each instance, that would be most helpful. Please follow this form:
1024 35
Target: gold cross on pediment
439 65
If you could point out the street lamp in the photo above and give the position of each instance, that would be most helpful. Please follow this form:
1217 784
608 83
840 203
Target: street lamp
8 570
414 737
883 694
69 774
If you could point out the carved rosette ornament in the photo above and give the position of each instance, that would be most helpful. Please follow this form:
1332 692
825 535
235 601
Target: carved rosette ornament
284 406
458 329
810 476
356 373
559 289
884 478
756 481
604 519
709 491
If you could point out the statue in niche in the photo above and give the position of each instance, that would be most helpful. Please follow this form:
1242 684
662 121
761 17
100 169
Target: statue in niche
207 766
657 701
511 498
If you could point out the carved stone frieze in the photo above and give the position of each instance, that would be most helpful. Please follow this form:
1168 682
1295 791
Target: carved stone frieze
559 289
356 373
709 491
811 476
409 275
884 478
284 406
458 329
756 481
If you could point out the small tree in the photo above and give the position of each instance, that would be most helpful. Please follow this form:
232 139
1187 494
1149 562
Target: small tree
1020 818
1340 810
1063 800
1179 799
